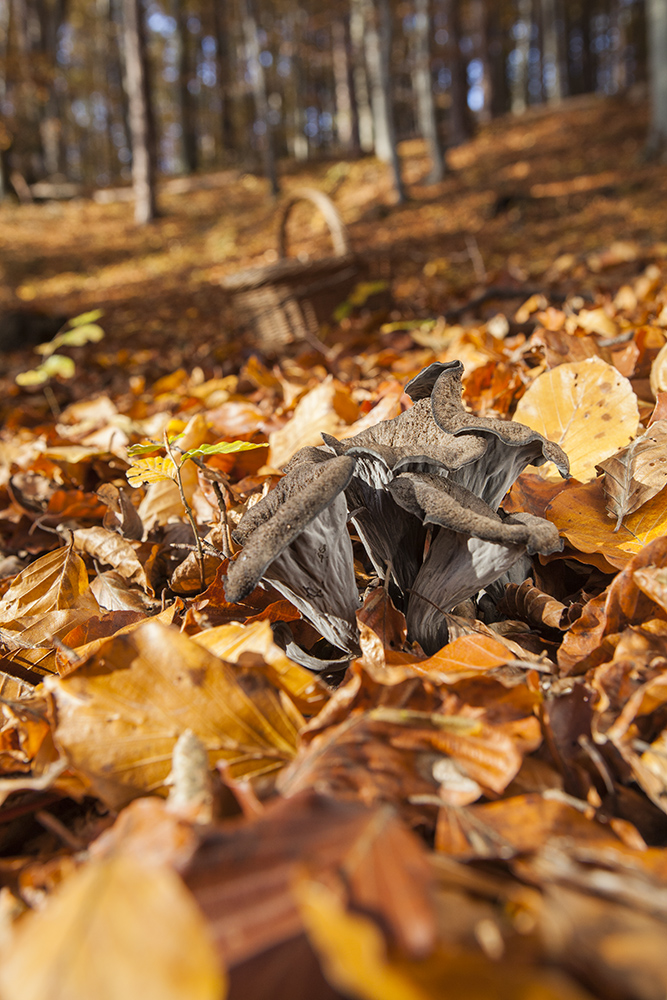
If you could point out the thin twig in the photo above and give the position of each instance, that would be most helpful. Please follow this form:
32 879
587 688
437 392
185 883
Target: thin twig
189 513
222 504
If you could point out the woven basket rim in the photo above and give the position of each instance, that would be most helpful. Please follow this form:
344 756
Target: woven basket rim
288 268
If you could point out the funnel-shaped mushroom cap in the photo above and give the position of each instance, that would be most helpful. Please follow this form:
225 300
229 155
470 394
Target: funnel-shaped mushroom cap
511 446
421 386
299 542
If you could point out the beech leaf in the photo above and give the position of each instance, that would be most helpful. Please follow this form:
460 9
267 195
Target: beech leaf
120 714
587 407
116 928
637 473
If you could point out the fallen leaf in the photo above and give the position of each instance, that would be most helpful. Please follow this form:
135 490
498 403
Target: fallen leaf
53 582
116 928
623 603
579 514
586 407
110 549
634 475
119 715
326 408
597 321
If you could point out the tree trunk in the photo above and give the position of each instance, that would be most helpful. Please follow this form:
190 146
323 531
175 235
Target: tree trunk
224 75
522 49
141 117
347 124
360 77
423 87
459 125
378 51
188 104
552 52
656 23
258 84
587 71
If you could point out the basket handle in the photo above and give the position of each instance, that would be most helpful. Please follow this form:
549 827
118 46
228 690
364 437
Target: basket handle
339 234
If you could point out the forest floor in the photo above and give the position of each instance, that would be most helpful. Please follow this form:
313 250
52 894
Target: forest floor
471 801
528 202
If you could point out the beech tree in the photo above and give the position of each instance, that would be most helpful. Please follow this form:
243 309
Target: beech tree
141 113
657 47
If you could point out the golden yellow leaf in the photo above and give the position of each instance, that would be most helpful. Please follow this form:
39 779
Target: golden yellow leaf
586 407
120 713
53 582
580 515
235 642
154 469
324 409
597 321
466 656
116 929
356 961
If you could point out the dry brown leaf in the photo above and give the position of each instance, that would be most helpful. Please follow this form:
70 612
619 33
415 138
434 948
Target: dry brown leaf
620 605
516 825
586 407
653 582
579 514
54 582
253 644
114 593
119 715
467 656
597 321
659 373
530 604
110 549
634 475
326 408
244 873
357 962
116 928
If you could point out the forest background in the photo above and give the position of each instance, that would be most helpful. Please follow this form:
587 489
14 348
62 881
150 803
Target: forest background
185 809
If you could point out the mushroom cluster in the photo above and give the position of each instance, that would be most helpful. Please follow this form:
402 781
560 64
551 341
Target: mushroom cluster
422 491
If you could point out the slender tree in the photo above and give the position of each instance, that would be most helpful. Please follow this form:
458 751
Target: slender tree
378 51
140 112
656 21
459 126
347 122
187 75
423 86
258 84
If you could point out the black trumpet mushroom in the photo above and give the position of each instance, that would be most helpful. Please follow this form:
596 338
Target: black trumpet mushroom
423 492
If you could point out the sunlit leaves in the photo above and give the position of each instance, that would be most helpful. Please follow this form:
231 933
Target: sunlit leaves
586 407
120 714
116 929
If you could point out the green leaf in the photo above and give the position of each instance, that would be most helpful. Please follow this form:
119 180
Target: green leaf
88 333
221 448
148 448
85 318
56 364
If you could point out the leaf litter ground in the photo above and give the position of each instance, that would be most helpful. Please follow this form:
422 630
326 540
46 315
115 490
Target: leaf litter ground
186 811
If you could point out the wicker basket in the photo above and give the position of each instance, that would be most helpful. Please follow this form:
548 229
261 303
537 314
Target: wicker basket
288 301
